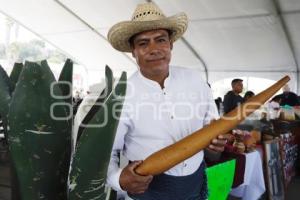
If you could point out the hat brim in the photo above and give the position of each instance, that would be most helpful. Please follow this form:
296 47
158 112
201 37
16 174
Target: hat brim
120 33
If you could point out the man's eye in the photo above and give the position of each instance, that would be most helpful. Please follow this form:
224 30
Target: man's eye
162 40
142 44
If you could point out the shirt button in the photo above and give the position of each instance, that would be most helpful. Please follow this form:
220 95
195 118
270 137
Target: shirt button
172 117
164 93
184 164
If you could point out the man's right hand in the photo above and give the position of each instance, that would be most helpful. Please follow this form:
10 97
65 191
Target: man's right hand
132 182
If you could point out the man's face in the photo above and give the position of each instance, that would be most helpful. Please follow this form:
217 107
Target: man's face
152 51
238 87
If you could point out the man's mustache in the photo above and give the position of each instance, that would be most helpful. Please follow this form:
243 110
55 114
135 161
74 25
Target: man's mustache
155 59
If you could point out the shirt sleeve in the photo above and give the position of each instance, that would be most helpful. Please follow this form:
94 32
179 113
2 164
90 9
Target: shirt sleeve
212 111
226 104
230 102
202 86
114 171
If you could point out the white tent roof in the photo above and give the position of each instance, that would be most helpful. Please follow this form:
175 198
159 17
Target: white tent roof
225 38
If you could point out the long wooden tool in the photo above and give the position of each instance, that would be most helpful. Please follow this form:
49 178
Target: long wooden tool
172 155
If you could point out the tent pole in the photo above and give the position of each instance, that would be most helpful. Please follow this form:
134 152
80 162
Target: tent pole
189 46
288 37
89 26
197 56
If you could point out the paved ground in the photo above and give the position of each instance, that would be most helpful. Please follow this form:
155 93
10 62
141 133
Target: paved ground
293 191
4 182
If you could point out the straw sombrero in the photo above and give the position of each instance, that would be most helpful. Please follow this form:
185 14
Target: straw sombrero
146 17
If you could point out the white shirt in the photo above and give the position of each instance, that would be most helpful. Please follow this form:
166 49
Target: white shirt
153 118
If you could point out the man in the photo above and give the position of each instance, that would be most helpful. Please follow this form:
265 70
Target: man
163 105
288 97
232 99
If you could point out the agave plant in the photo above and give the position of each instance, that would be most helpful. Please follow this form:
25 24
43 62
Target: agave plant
7 86
78 129
92 155
15 73
6 89
39 134
40 125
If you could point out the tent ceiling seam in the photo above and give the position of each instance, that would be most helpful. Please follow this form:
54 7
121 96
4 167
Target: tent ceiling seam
232 17
247 71
288 37
244 16
89 26
290 12
196 54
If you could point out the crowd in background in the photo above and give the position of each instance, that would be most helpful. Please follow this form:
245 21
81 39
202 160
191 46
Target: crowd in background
233 98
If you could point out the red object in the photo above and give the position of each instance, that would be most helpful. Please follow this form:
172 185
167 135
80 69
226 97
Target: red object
239 167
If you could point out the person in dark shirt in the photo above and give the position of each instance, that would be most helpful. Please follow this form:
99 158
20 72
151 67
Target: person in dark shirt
232 99
248 95
288 97
218 102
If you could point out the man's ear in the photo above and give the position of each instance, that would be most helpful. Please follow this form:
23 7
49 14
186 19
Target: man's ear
132 53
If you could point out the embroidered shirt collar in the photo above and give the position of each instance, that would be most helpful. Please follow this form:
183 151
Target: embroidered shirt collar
155 84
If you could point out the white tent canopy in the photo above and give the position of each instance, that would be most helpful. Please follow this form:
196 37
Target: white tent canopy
225 38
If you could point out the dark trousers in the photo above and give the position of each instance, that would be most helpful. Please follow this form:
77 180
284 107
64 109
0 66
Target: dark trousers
166 187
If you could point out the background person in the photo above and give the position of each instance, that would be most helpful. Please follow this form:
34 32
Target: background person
288 97
248 95
232 99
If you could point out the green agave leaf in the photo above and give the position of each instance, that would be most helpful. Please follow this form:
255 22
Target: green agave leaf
65 82
5 92
15 73
8 83
91 159
66 79
112 194
38 141
5 96
102 97
64 164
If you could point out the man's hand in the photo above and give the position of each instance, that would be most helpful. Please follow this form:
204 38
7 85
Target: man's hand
218 144
131 181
